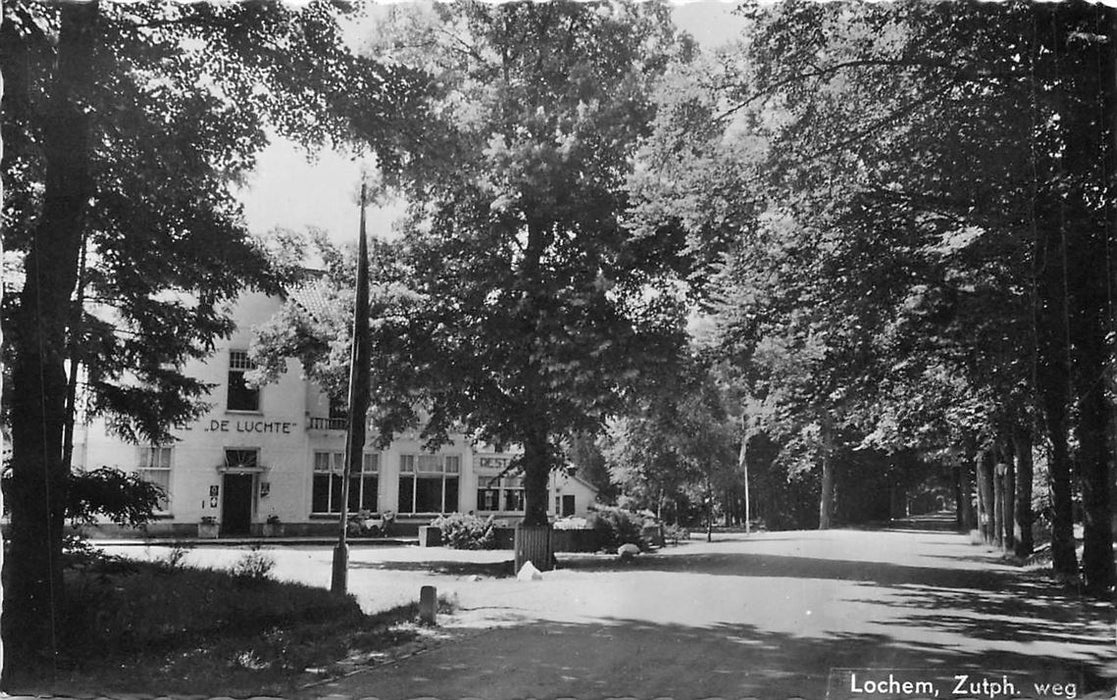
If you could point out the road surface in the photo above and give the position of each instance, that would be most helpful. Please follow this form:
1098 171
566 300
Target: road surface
769 615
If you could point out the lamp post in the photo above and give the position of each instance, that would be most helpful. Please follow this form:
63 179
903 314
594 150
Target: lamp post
358 406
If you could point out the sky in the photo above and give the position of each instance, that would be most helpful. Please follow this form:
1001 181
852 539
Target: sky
289 191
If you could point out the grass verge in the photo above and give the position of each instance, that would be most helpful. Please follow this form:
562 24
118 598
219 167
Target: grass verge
159 628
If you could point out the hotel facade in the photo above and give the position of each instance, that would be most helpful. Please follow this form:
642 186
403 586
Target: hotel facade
276 453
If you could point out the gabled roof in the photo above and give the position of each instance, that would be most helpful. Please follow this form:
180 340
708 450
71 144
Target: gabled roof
312 295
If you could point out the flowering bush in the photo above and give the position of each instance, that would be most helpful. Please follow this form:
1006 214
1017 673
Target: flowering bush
462 531
572 523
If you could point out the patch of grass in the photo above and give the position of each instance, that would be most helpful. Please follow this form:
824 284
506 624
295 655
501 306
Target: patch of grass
161 628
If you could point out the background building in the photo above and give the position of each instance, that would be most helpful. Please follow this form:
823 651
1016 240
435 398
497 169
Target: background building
277 451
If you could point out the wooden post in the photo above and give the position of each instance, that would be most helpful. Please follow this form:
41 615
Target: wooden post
428 605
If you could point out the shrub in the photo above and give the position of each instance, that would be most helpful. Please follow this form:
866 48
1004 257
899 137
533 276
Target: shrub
675 532
173 560
461 531
617 526
254 567
125 499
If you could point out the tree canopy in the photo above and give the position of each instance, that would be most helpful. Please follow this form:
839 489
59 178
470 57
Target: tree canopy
126 127
892 197
531 310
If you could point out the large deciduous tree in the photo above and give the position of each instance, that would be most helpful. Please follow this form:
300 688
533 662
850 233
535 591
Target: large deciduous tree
541 310
126 128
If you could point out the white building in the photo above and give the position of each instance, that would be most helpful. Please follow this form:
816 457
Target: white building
276 451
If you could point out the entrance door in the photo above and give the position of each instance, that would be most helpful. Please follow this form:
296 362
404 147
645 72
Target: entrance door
236 504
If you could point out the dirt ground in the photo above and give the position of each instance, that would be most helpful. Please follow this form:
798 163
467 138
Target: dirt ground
771 615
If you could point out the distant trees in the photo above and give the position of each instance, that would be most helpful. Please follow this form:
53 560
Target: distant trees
678 450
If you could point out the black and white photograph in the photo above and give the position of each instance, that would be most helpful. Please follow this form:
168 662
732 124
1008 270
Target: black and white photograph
752 350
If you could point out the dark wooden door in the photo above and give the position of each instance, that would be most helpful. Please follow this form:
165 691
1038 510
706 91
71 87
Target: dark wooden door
236 504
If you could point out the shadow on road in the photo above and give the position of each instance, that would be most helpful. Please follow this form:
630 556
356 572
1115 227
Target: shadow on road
497 569
773 565
624 657
881 614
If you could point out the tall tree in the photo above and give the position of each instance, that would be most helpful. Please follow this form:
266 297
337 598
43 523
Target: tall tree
541 310
126 128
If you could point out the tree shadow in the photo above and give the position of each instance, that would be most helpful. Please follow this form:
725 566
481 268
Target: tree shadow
496 569
616 656
751 564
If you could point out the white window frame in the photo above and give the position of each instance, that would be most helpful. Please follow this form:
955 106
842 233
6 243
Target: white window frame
509 485
416 465
240 362
335 466
146 460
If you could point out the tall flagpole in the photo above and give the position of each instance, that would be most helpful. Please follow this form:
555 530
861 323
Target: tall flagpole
358 406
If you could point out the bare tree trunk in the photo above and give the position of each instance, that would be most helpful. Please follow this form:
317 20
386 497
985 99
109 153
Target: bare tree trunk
985 497
965 504
1022 534
742 461
537 472
957 473
1009 484
999 504
826 497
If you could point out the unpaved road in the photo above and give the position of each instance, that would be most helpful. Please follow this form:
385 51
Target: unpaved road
767 615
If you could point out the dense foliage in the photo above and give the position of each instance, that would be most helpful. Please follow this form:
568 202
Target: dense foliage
120 497
892 199
518 306
126 127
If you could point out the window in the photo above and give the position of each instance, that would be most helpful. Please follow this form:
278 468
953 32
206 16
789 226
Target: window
241 459
329 471
338 410
429 483
496 492
567 505
241 397
155 468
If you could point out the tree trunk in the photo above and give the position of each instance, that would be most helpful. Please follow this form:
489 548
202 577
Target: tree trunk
1093 464
1064 557
1022 533
1009 494
537 472
1052 378
999 504
826 497
1091 299
985 497
33 573
957 472
966 506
